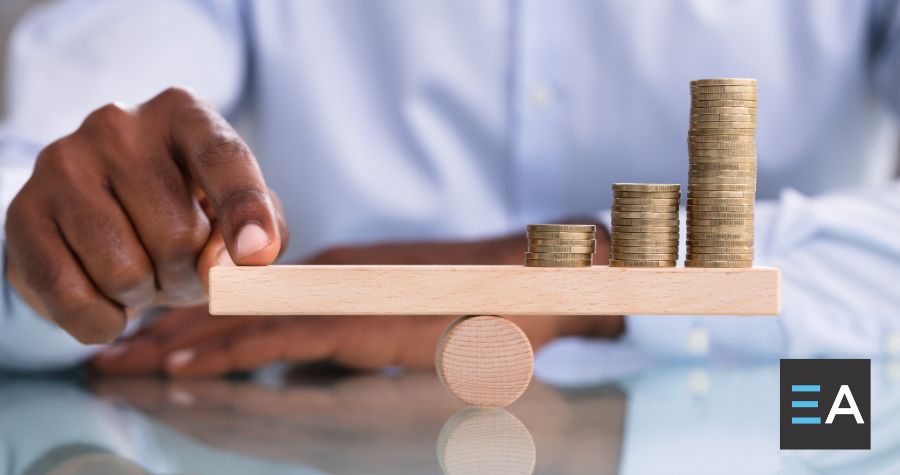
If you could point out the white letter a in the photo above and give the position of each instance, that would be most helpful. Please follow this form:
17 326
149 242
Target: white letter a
836 408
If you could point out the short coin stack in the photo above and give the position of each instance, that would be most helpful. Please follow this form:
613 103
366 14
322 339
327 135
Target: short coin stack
722 177
644 225
560 245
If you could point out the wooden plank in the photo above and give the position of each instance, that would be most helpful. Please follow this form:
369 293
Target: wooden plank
492 290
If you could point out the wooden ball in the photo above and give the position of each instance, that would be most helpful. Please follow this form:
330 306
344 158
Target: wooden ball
484 360
490 441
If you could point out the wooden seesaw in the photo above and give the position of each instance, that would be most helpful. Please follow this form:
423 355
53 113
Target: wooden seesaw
482 358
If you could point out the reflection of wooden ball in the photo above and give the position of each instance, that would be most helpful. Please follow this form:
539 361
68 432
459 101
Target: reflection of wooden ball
490 441
484 360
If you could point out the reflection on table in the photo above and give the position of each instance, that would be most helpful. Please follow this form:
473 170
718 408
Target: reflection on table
664 419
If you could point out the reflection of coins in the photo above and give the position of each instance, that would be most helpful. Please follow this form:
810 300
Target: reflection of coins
484 360
488 441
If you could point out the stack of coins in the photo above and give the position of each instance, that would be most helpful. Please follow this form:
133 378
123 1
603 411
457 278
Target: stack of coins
644 225
722 177
560 245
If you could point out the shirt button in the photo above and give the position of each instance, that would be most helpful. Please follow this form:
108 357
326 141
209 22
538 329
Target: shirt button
541 95
698 341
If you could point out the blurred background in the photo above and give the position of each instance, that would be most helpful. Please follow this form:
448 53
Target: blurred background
10 12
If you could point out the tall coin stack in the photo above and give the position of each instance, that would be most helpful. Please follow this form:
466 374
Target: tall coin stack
644 225
560 245
722 177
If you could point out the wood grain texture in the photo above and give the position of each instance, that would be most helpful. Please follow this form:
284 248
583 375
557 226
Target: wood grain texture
485 441
492 290
484 360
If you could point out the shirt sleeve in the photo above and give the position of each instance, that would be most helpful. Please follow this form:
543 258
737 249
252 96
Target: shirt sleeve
840 261
72 57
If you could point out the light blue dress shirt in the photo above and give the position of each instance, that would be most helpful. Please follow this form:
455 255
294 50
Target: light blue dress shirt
461 119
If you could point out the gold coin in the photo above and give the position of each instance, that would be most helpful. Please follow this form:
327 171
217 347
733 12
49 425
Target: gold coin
720 249
645 214
627 263
696 216
721 96
742 235
644 249
707 148
649 236
646 257
645 229
696 117
558 256
750 132
707 103
740 139
721 187
719 257
718 208
644 222
722 166
722 194
751 174
562 249
560 235
751 111
660 195
724 81
728 264
743 152
646 201
713 88
722 125
563 228
646 208
733 232
721 242
721 180
647 241
730 202
546 263
562 242
653 187
693 220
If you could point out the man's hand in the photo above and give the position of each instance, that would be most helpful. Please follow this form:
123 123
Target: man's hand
132 209
189 342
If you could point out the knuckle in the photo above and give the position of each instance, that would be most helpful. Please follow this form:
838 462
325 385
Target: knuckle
112 117
184 243
76 309
176 96
130 281
219 151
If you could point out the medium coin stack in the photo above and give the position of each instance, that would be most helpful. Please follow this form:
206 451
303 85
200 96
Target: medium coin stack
722 176
560 245
644 225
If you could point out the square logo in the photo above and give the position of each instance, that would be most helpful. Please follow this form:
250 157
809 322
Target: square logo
825 404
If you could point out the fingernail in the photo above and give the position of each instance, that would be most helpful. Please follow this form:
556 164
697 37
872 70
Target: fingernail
112 352
223 259
180 358
251 239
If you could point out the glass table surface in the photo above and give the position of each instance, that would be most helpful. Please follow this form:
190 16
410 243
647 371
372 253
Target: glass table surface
664 418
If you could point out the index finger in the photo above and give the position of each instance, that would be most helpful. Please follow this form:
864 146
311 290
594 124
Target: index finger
220 163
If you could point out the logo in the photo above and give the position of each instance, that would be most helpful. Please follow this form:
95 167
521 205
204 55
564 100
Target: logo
825 404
